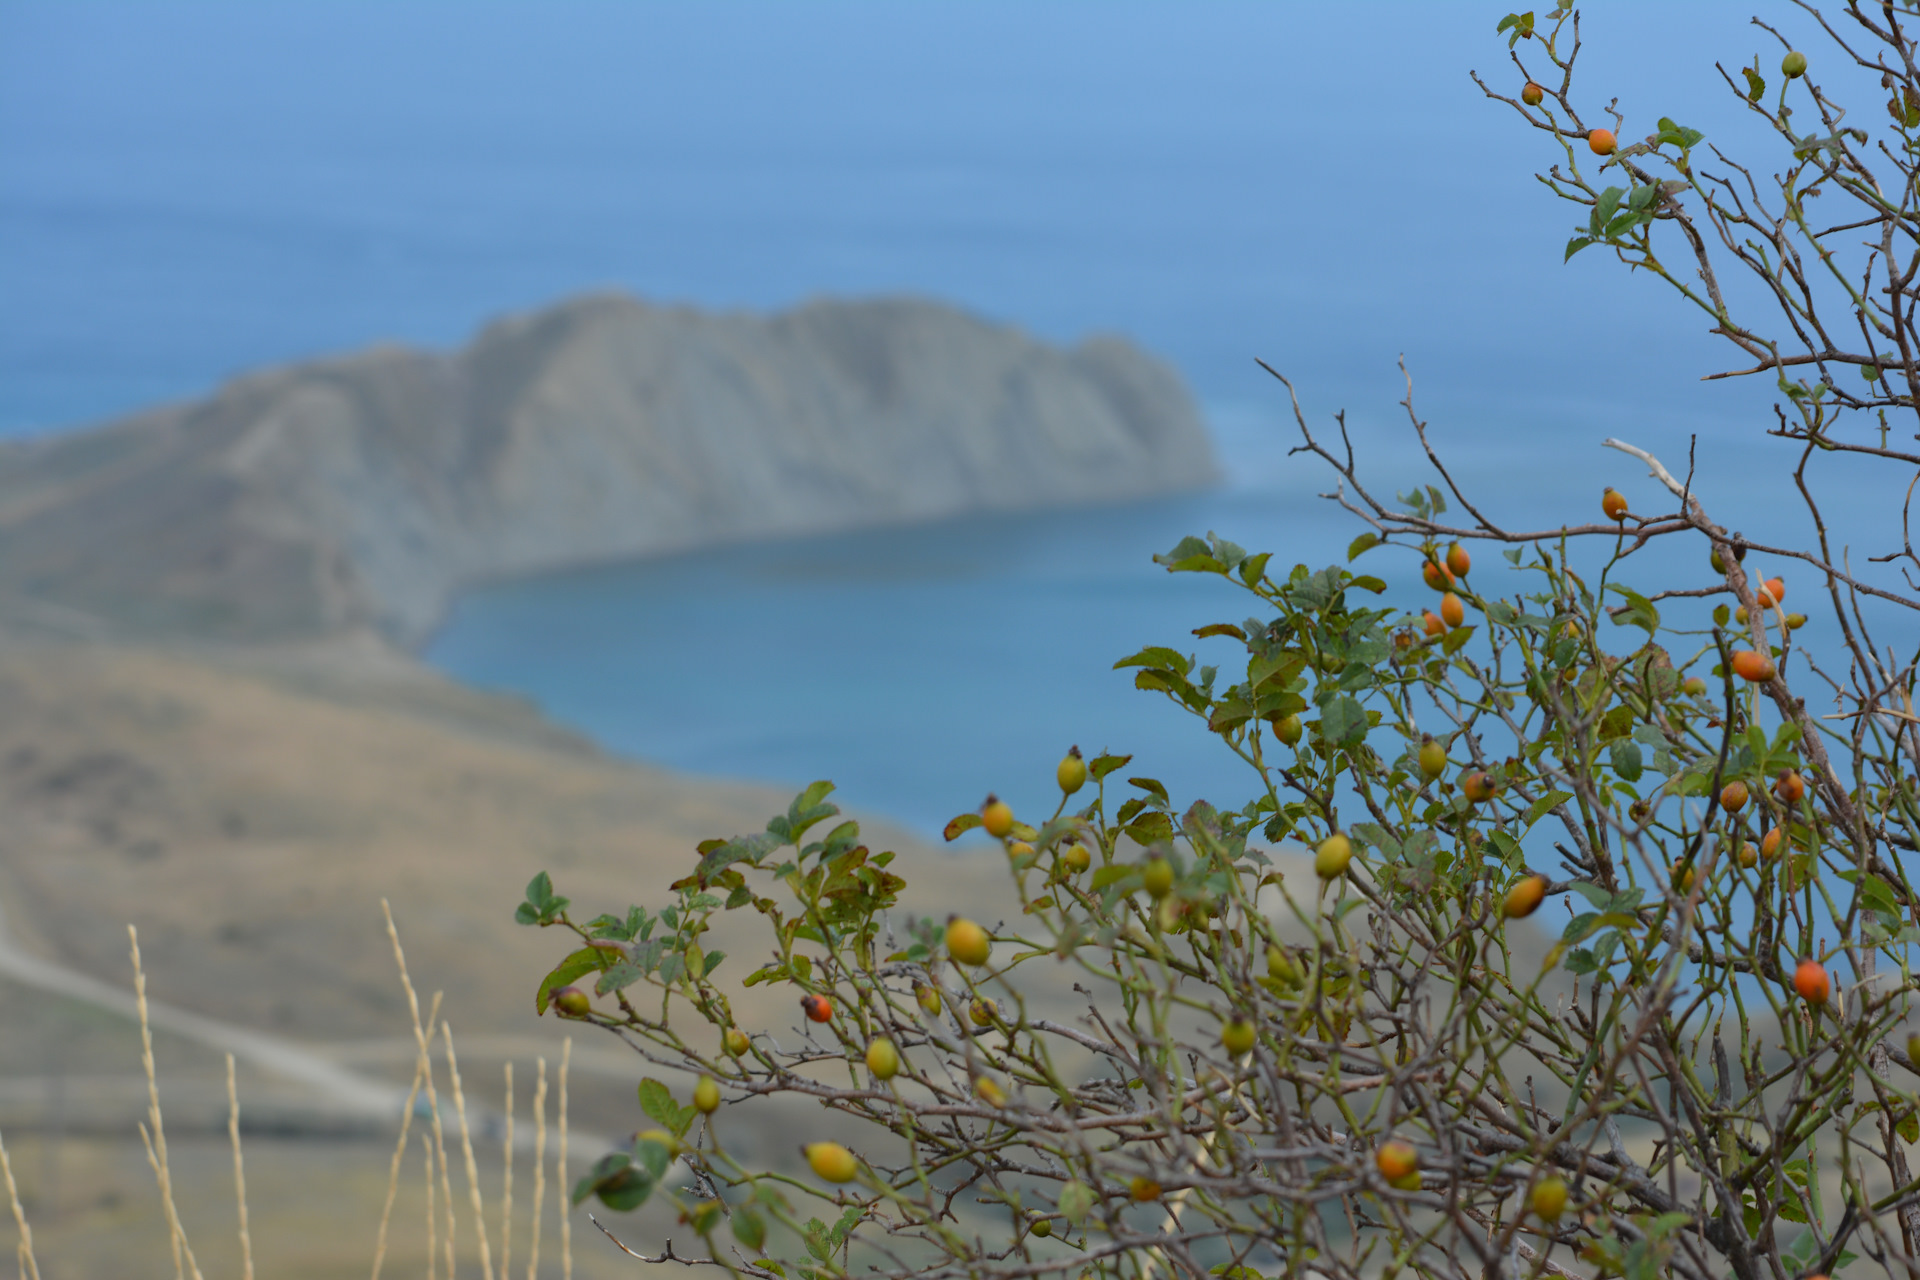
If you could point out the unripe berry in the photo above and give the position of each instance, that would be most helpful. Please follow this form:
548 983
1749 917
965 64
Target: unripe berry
1072 773
929 998
1436 575
981 1012
989 1091
1532 94
1794 65
1040 1226
1458 561
706 1095
1287 729
1433 758
736 1042
572 1002
1525 897
1157 877
1549 1199
996 817
1077 858
883 1059
1733 797
1143 1189
1453 611
1237 1037
967 942
831 1161
1331 858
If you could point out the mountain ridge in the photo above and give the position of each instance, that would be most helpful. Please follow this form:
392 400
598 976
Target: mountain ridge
363 492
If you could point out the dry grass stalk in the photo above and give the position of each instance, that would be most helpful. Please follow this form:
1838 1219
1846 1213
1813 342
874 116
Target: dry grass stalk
433 1242
539 1169
159 1173
157 1142
506 1187
466 1151
239 1171
423 1041
566 1215
422 1070
440 1149
28 1267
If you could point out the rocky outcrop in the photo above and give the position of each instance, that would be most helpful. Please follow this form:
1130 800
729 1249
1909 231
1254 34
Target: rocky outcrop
363 492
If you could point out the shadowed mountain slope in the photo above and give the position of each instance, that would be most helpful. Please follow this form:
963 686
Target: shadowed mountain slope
363 492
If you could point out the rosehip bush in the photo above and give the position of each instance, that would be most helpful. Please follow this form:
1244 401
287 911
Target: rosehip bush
1182 1051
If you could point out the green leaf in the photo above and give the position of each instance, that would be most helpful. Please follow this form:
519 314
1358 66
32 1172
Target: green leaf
1639 611
581 962
1593 893
1574 246
1538 808
1603 207
1152 786
1157 657
1102 765
1626 760
1756 84
1220 629
1253 567
750 1229
620 1184
1908 1125
1364 543
654 1156
1150 828
1111 875
1343 723
657 1101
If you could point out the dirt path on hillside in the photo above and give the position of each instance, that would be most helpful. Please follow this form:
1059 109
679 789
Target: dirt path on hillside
337 1087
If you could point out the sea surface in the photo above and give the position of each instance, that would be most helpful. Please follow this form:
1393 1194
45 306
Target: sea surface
189 192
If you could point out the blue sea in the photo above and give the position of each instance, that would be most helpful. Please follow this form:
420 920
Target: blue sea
190 191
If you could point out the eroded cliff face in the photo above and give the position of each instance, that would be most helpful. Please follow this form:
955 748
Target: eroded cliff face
363 492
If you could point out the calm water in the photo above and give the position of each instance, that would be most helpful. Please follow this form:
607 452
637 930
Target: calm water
190 191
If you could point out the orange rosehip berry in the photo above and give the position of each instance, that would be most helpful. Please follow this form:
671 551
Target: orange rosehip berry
1811 982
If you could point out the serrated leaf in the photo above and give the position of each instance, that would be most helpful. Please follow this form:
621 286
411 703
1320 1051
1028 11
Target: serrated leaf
579 964
1574 246
1538 808
1102 765
657 1101
964 823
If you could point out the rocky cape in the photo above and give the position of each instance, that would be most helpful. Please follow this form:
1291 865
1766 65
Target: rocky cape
360 494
